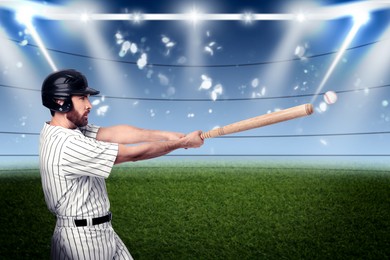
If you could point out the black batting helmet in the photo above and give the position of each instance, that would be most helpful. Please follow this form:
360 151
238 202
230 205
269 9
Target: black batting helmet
63 85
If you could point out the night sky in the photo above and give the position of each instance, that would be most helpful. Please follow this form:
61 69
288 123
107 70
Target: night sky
185 75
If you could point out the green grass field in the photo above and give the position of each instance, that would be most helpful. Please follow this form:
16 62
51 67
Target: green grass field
219 212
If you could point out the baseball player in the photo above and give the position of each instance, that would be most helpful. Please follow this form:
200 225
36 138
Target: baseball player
77 157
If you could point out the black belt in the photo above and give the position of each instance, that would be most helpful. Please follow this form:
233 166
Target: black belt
95 221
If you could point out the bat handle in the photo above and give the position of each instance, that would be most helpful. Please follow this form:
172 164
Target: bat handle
212 133
203 135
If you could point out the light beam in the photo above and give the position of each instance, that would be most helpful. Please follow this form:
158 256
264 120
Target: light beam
41 46
351 35
25 17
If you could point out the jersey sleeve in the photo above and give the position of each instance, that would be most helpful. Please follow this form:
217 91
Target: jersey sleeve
85 156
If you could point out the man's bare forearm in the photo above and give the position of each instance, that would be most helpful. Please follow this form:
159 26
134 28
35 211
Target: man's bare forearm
126 134
145 151
155 149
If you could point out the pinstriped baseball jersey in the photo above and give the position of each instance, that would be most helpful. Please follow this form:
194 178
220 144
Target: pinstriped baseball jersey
73 166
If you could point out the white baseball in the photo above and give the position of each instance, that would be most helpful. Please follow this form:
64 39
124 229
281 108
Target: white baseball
330 97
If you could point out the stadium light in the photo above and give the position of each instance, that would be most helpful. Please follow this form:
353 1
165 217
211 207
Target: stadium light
85 17
24 16
361 18
137 17
57 12
301 17
248 18
194 16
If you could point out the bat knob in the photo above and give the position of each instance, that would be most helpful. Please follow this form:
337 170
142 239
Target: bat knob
309 109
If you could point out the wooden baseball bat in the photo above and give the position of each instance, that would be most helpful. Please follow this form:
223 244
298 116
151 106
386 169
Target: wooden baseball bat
262 120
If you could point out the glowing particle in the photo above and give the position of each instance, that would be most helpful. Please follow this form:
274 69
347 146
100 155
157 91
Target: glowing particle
152 113
23 43
125 47
211 47
165 39
101 111
209 50
23 120
122 53
119 36
299 51
357 83
171 91
182 60
206 82
133 48
263 90
142 61
218 89
170 44
323 107
214 96
255 83
163 79
95 102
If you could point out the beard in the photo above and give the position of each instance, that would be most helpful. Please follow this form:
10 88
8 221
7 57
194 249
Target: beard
78 119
